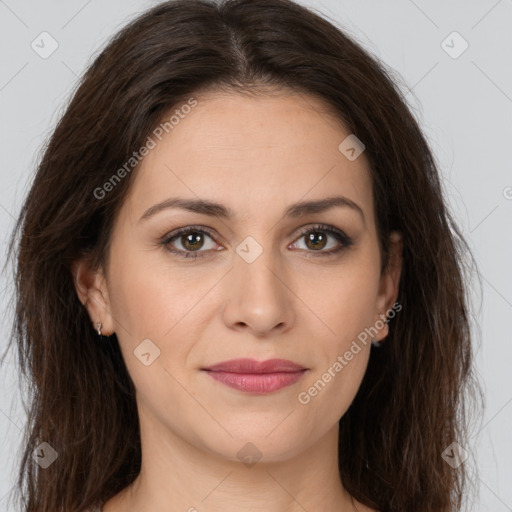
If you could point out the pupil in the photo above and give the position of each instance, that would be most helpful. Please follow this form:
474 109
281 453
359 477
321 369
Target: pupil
315 240
191 239
311 238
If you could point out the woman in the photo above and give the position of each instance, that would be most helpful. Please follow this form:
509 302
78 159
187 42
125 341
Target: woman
238 284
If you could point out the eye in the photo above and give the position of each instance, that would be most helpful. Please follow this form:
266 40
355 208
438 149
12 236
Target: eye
316 239
191 239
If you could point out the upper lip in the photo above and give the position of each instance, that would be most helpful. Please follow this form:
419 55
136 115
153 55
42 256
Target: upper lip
253 366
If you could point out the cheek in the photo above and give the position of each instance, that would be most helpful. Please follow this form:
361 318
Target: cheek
138 302
145 302
155 303
150 313
346 304
346 382
345 301
327 395
339 371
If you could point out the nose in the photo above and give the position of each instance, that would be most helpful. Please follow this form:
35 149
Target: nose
260 299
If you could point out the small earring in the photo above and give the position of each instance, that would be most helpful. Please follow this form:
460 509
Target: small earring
99 328
377 344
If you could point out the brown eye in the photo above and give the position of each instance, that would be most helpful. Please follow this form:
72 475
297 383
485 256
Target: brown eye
316 240
188 242
192 242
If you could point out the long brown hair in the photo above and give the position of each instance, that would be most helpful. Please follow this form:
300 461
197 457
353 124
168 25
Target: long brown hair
410 406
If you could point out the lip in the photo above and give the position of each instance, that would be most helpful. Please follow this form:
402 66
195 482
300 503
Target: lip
254 376
252 366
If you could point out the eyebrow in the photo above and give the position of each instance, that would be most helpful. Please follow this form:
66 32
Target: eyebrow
218 210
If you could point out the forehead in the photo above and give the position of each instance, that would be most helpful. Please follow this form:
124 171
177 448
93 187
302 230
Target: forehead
253 153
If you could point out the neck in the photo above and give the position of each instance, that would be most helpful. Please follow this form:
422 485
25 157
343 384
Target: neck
179 476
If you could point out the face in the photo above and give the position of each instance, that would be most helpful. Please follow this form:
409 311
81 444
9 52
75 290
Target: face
251 278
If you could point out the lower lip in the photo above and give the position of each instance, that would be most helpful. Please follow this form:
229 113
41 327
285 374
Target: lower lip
257 382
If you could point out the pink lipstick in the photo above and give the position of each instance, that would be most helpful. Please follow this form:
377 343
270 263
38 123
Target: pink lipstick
254 376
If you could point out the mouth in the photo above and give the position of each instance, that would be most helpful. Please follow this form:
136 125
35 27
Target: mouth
253 376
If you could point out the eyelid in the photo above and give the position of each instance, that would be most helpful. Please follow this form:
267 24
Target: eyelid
188 229
345 240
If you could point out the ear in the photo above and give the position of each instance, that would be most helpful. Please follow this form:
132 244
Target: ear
389 283
91 288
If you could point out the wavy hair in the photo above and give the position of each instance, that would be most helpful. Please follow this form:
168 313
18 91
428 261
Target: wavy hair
411 404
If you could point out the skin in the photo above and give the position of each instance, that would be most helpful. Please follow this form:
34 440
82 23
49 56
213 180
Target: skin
256 155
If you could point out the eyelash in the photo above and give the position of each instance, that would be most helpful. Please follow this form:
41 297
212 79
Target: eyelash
339 235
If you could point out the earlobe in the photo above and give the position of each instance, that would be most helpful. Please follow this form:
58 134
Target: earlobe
91 288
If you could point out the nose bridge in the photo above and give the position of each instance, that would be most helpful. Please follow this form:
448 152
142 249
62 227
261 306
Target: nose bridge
260 298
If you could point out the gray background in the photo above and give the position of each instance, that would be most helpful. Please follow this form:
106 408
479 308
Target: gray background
464 105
